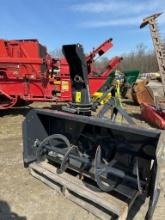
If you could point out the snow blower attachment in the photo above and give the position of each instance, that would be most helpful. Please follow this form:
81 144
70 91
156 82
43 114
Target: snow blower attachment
101 165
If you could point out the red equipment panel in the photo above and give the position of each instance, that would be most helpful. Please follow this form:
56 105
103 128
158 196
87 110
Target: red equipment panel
20 58
29 73
23 72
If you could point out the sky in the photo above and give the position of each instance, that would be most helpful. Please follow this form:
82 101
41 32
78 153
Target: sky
88 22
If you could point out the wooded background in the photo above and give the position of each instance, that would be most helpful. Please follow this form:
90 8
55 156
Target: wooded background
140 58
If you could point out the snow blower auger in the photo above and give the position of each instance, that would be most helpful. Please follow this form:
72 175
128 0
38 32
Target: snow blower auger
97 163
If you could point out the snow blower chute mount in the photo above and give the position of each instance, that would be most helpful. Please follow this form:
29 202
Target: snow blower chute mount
117 159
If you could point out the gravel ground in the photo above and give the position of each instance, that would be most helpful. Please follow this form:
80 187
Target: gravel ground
24 197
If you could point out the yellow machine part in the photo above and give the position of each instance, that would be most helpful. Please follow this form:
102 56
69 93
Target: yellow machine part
117 88
64 86
57 82
97 95
78 97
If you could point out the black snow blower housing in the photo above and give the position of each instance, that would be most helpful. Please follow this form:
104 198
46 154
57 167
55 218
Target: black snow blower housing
118 159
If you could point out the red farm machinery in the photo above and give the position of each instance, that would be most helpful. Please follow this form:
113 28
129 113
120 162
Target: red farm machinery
28 73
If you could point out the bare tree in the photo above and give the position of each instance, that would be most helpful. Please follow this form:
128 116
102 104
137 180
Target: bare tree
57 53
140 59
